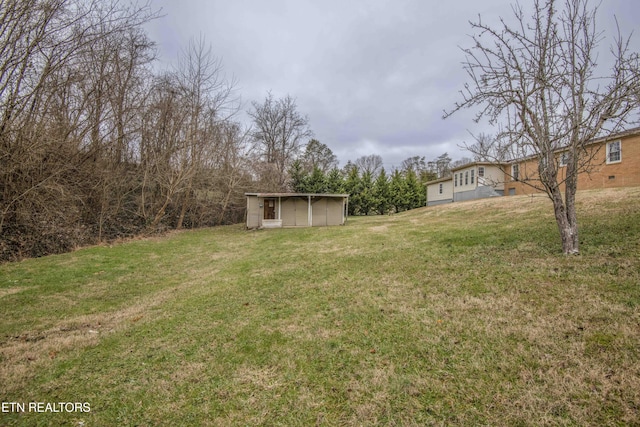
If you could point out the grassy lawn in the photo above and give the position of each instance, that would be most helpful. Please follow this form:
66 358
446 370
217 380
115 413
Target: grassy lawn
464 314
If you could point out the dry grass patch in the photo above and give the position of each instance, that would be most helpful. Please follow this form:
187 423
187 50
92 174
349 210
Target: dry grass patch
465 314
24 354
10 291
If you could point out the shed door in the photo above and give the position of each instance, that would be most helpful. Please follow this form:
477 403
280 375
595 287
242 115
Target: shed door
269 209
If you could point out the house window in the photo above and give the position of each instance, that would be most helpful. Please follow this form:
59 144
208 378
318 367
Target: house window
515 172
472 175
440 189
456 180
466 178
480 171
544 164
564 159
614 152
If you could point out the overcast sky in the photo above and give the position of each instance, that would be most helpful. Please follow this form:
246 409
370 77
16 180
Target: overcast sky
373 76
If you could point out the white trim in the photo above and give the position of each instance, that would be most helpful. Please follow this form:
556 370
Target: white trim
619 151
515 172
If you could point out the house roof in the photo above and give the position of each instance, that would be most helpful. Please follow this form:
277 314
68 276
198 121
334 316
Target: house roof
621 134
296 195
466 165
599 140
610 137
437 181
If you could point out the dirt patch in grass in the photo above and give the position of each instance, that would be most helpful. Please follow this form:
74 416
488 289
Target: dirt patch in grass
23 353
10 291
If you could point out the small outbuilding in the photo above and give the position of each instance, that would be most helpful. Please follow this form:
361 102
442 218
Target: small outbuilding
276 210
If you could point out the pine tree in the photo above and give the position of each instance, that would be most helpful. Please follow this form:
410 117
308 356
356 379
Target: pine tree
335 181
316 182
367 199
353 187
399 192
382 193
298 177
416 193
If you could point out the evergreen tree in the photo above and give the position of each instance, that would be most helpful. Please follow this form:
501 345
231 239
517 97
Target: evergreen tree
399 192
298 177
316 182
335 181
416 193
353 187
382 193
367 199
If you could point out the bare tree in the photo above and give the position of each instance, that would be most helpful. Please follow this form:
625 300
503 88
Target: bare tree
418 165
371 164
208 98
165 151
539 82
279 130
45 117
318 155
231 176
94 146
487 146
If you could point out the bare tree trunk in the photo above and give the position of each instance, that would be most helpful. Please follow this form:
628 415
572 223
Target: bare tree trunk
571 187
567 228
185 204
160 213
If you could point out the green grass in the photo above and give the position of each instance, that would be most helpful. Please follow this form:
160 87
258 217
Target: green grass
465 314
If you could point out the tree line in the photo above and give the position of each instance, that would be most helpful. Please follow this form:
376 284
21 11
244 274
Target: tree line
372 190
96 144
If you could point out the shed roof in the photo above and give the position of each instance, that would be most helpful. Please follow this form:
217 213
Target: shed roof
295 195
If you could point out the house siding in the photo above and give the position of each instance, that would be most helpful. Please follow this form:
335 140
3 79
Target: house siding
625 173
434 197
493 177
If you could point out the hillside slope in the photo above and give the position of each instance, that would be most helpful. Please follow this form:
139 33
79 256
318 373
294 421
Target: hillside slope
458 314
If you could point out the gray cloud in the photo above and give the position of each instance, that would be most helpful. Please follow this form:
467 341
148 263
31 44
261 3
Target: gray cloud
373 76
